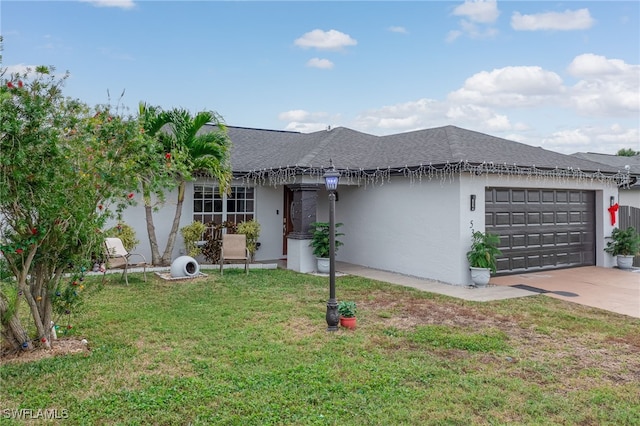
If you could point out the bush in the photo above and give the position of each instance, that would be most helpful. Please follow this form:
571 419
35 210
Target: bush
251 229
191 235
126 233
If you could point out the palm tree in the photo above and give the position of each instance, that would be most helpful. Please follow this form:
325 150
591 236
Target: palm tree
157 179
194 152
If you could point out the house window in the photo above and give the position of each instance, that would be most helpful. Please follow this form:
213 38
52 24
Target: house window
210 206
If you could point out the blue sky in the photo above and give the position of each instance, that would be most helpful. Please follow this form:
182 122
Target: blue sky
564 75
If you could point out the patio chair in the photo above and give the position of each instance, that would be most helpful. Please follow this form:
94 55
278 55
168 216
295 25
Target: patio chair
119 258
234 250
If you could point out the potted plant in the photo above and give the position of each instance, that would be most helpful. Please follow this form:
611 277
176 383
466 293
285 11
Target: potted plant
321 244
482 257
624 244
347 311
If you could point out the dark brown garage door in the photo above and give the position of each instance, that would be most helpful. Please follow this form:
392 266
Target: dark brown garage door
541 228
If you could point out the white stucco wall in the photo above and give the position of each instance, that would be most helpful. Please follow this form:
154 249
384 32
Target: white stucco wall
424 229
269 203
268 209
421 228
412 229
630 197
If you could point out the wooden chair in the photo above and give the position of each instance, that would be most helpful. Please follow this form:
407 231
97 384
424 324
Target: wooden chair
118 258
234 250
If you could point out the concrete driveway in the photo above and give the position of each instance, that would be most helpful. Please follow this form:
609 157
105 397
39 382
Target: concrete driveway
611 289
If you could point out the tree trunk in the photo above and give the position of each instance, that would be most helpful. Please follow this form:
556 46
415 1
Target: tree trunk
166 257
151 231
13 333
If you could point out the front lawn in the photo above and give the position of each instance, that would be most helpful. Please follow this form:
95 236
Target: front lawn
254 350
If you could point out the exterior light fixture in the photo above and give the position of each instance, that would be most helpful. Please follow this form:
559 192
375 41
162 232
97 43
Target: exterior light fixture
331 179
472 205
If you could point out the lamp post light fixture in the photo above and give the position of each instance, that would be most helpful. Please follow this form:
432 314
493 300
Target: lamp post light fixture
331 179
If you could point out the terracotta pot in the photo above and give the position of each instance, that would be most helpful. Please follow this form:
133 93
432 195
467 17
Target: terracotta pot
349 322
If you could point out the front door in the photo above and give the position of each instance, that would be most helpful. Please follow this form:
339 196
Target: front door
287 224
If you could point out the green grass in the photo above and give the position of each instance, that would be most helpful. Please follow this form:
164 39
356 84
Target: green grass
254 350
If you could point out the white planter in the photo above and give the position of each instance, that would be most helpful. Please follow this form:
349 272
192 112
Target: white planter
323 265
480 276
624 262
184 266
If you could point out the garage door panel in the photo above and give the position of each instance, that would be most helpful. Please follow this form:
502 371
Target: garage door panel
561 197
541 228
562 217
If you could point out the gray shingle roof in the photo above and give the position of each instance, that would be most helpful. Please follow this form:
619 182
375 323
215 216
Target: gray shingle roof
259 149
612 160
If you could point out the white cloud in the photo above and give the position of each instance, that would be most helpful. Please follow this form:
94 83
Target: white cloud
478 16
592 139
122 4
401 30
19 69
509 86
588 64
608 87
294 115
325 40
300 120
305 127
477 32
485 12
453 36
568 20
320 63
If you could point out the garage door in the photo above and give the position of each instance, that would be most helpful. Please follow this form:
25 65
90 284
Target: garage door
541 228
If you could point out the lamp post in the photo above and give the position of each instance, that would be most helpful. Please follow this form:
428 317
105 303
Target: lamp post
331 178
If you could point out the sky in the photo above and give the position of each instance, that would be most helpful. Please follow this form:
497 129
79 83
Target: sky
562 75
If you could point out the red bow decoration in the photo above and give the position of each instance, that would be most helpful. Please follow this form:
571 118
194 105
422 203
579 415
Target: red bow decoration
612 211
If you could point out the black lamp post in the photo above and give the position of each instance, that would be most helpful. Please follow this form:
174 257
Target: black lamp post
331 178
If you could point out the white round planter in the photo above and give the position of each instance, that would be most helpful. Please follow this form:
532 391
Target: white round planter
184 266
480 276
624 262
323 265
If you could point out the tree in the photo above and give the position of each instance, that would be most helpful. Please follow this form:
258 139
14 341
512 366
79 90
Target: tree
153 119
188 151
627 152
65 169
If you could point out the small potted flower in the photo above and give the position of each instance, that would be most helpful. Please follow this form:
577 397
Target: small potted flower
347 311
625 244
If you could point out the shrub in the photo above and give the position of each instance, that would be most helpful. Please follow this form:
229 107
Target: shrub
191 234
251 229
126 233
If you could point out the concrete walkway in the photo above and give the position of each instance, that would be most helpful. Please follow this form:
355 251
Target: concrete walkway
610 289
486 294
